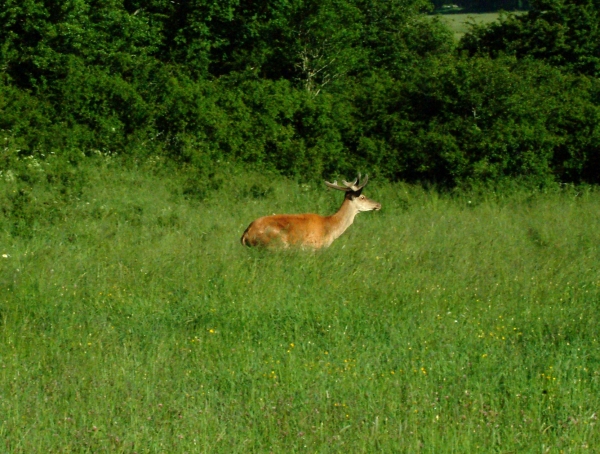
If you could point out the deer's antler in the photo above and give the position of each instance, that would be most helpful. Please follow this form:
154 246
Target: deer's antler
350 186
363 183
335 185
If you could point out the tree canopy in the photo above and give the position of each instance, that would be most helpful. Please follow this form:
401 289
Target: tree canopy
562 33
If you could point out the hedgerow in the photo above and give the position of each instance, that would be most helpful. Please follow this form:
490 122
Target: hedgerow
298 87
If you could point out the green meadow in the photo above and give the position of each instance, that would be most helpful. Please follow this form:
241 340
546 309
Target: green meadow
132 320
459 23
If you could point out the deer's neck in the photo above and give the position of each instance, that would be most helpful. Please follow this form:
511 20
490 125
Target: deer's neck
340 221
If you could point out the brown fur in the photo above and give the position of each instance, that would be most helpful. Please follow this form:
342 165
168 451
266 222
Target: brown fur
288 229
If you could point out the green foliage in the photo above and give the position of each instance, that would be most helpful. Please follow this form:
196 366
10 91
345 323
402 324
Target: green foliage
563 33
299 87
36 190
42 40
476 119
265 123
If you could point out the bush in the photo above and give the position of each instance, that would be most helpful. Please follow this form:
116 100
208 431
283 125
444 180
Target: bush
563 33
479 119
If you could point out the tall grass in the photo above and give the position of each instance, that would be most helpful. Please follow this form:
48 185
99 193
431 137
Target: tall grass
134 321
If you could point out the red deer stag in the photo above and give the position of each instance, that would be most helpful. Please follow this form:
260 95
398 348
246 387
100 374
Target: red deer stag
311 230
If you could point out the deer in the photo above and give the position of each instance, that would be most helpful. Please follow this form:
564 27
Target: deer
311 231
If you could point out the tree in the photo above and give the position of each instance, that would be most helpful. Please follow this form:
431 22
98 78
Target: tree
564 33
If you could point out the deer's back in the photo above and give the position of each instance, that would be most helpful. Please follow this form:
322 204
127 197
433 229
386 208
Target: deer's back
286 230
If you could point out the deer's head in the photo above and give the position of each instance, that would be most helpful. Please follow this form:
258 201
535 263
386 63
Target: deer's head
354 194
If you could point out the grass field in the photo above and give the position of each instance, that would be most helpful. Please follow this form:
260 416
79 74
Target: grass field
132 320
459 23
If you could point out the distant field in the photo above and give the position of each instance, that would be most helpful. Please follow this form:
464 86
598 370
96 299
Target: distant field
458 22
